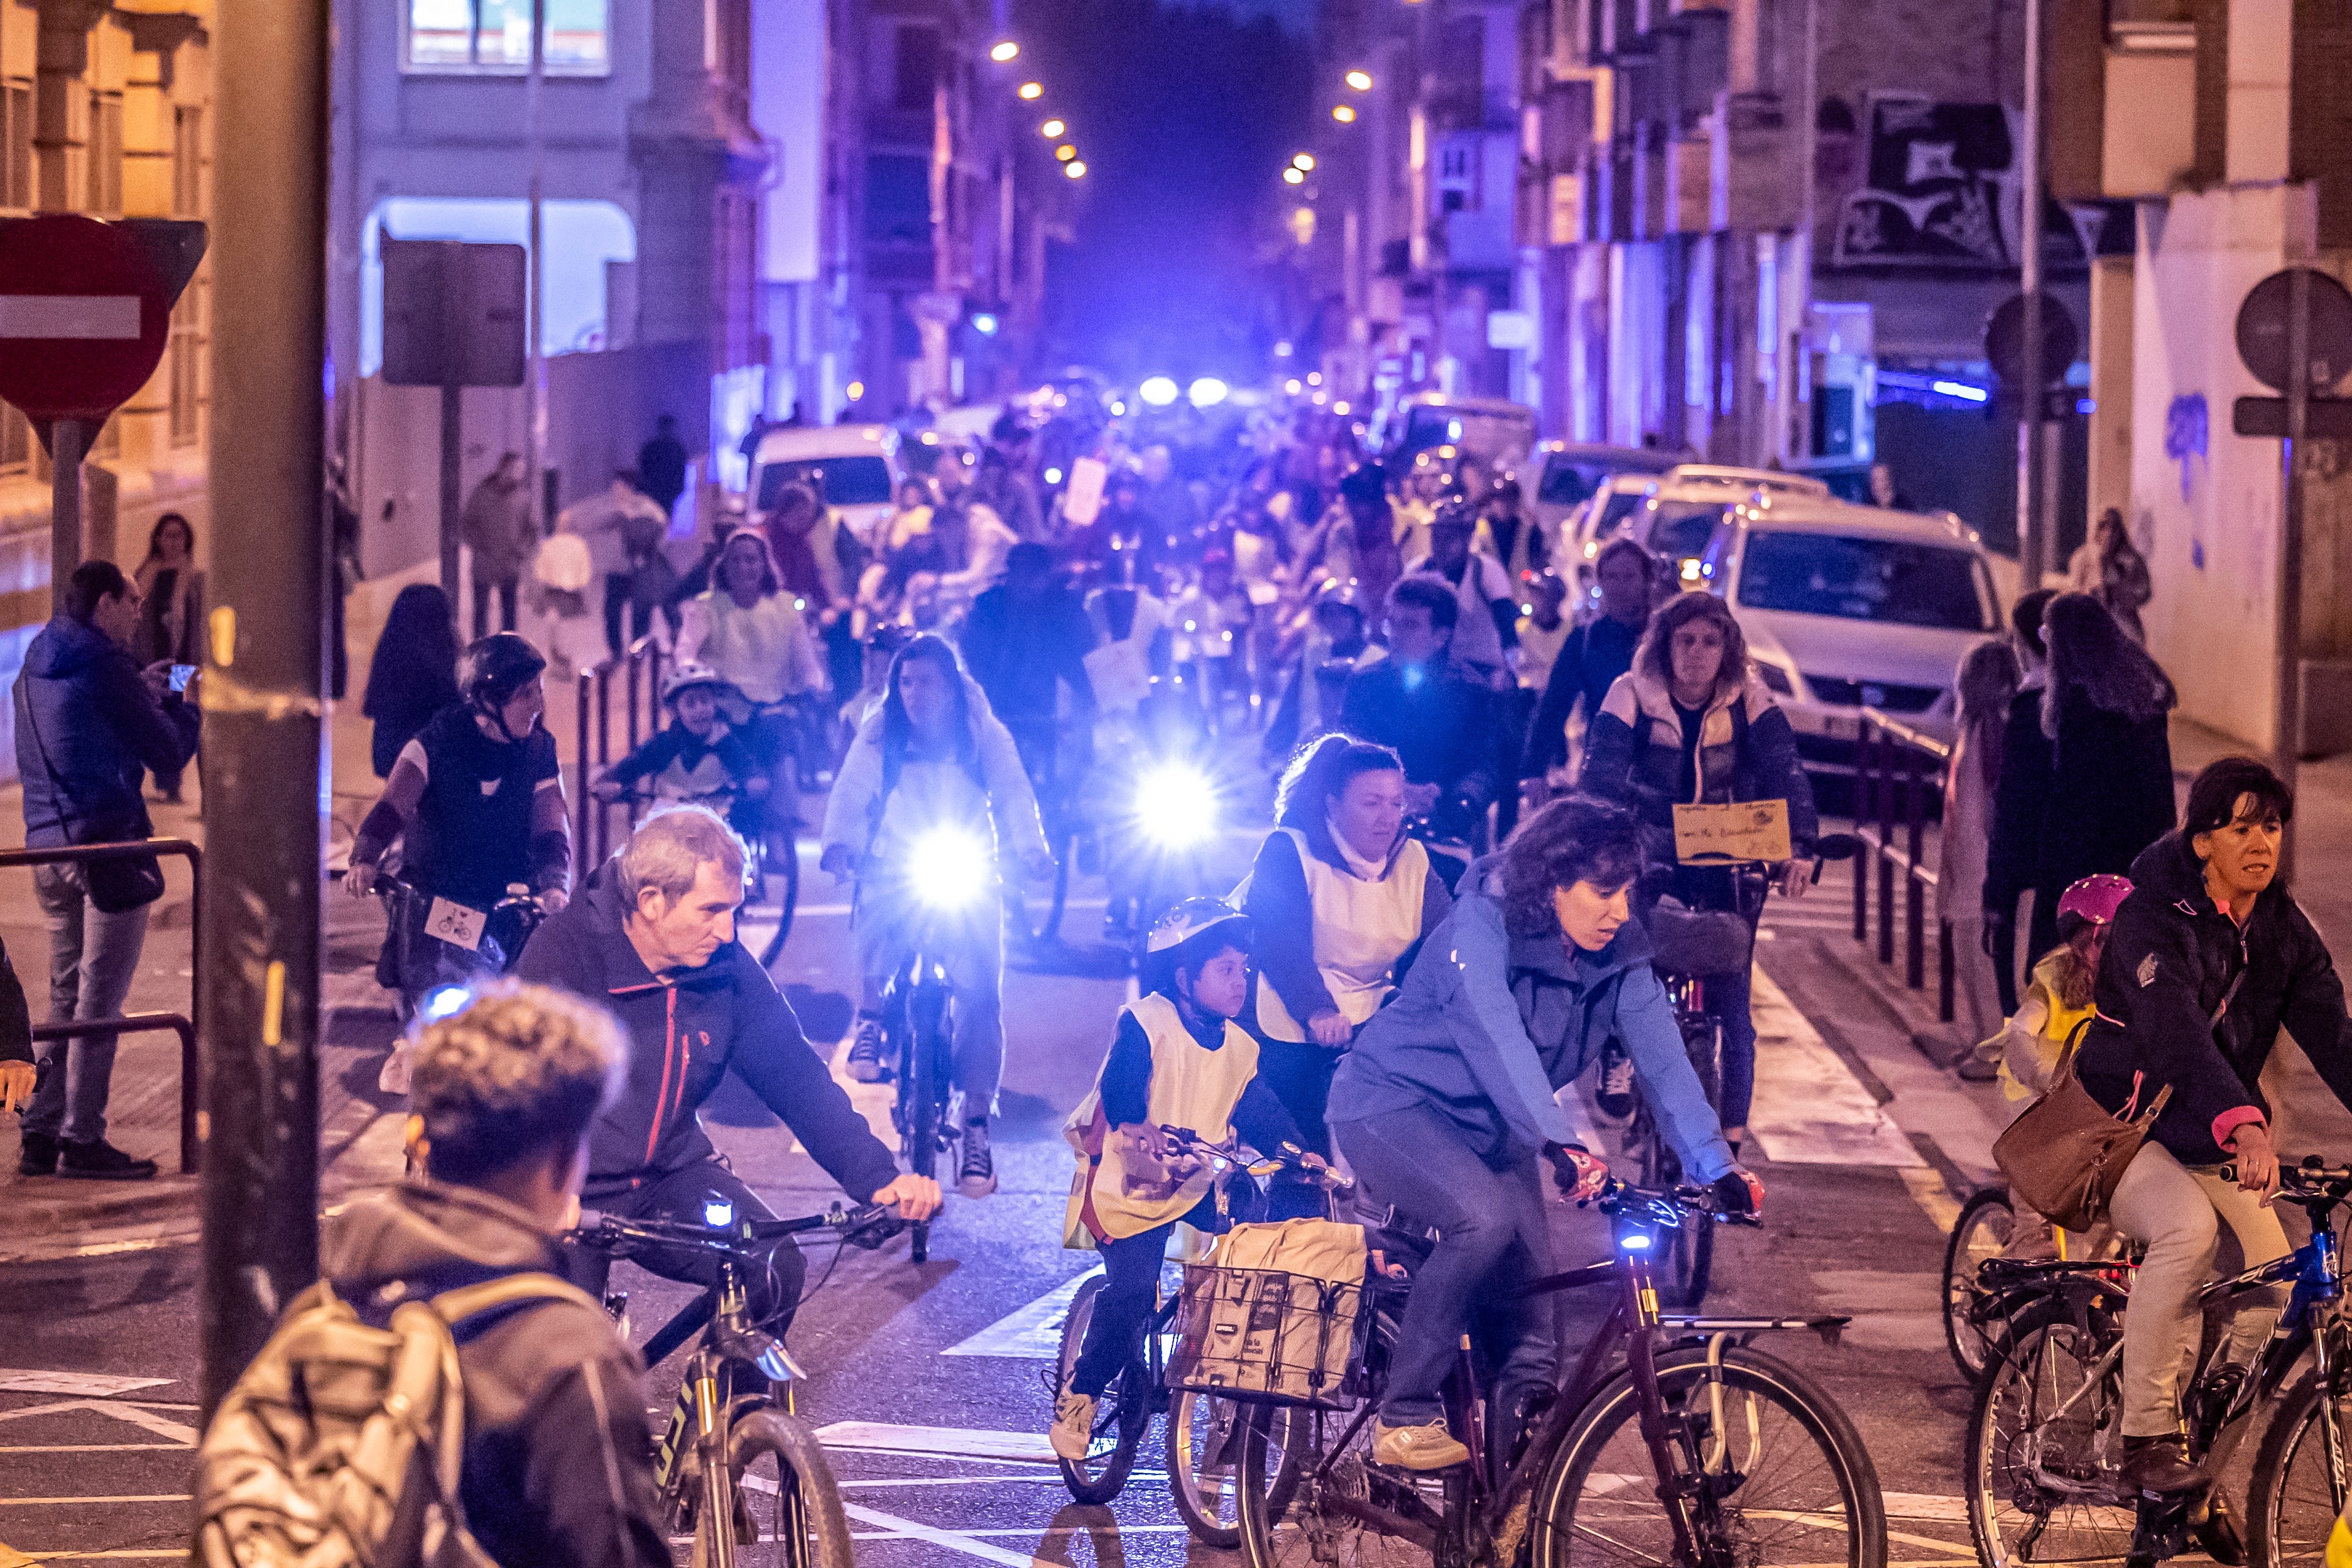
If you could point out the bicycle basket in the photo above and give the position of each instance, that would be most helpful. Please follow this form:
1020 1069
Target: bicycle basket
1265 1336
1686 940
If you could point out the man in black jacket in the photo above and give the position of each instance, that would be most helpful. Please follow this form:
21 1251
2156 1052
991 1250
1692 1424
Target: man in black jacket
1026 639
652 938
2021 802
2208 960
558 1460
1421 701
1595 655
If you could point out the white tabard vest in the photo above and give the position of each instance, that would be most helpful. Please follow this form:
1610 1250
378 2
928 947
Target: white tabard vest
1192 1087
1362 929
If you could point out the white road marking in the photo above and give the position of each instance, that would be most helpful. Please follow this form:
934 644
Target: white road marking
46 1501
952 1539
1033 1332
946 1442
1810 1109
184 1435
88 1449
14 1380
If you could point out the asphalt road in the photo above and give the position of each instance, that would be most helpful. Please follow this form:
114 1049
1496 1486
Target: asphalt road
929 1381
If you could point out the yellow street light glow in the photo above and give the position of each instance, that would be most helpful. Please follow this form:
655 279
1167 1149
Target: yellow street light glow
1361 80
1344 113
855 389
1065 152
1052 128
1075 169
1031 91
1293 177
1304 161
1005 51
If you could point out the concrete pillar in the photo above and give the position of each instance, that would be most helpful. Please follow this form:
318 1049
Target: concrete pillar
61 103
2111 391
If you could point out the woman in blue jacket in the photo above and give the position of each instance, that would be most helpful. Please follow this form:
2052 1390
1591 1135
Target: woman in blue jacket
1447 1098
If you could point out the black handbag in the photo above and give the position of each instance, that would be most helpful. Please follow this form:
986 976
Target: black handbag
117 884
1686 940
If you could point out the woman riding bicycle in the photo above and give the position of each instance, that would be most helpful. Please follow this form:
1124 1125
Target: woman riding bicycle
934 768
755 636
1342 899
1448 1099
1691 723
2209 958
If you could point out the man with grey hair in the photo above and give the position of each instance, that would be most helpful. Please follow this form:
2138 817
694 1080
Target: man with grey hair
557 1465
652 938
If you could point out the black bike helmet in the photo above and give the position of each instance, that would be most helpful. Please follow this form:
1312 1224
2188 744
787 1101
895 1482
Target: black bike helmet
500 666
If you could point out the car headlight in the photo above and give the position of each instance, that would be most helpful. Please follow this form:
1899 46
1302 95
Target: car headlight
1176 805
949 868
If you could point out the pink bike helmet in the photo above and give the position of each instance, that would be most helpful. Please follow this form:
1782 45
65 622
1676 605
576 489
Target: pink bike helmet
2094 900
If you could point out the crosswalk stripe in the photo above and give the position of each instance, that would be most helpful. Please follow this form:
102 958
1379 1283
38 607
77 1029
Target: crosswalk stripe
1810 1109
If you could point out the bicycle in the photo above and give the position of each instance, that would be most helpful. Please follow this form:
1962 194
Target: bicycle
2042 1467
436 941
1696 1450
1203 1431
734 1429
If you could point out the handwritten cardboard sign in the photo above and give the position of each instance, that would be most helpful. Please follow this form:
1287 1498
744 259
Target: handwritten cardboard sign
1743 830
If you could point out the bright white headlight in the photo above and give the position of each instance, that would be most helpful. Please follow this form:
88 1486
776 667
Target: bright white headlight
1176 805
950 867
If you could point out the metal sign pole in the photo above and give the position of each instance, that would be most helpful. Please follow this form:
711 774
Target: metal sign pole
452 454
2289 748
2032 521
67 441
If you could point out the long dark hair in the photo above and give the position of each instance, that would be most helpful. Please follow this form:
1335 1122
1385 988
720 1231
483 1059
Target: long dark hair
416 659
1576 839
898 730
2090 651
155 535
1318 775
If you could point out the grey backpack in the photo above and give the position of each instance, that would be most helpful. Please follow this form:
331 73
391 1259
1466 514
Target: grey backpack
340 1446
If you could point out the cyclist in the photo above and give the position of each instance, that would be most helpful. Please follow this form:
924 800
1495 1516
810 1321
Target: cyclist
653 939
935 759
1178 1060
699 756
1448 1097
2209 958
755 636
1425 702
1692 722
476 802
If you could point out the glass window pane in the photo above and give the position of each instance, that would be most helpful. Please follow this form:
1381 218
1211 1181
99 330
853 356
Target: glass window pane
503 37
575 35
1859 579
437 32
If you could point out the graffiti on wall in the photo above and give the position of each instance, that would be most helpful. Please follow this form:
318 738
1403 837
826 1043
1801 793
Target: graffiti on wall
1940 188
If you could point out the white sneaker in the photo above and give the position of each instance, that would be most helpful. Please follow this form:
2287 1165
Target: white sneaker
1074 1425
1429 1446
1616 1095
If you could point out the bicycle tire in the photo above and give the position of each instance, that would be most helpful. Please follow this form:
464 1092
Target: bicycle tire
2089 1443
1122 1414
1848 1482
788 899
1300 1480
1986 1215
1212 1513
2275 1489
808 1528
923 1073
1690 1251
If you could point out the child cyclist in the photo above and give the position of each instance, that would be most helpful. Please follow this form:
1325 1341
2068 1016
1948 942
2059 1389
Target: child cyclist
699 757
1177 1060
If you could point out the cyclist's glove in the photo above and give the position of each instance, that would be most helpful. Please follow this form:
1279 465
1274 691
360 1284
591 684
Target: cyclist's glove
1579 1174
1739 1192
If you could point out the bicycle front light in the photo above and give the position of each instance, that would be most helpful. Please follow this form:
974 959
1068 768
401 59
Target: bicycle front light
949 868
1634 1241
1177 806
717 1214
443 1002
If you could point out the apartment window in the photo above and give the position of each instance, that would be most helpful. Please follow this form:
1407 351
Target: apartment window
104 195
187 162
188 365
16 144
898 199
494 36
918 68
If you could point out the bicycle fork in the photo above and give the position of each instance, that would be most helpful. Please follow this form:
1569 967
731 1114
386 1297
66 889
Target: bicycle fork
1676 1484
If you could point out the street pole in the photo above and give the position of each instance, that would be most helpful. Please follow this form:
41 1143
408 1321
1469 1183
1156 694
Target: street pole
2288 751
534 381
1788 443
261 690
68 442
2033 549
452 455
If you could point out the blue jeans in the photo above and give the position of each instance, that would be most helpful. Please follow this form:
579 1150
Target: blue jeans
1493 1239
93 957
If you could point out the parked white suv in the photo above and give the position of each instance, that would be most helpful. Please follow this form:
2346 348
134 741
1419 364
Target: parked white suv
856 468
1847 608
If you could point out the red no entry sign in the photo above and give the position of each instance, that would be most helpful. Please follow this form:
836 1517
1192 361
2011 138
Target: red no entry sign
86 308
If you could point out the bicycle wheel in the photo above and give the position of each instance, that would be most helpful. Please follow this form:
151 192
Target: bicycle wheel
1793 1483
785 1496
1690 1247
2290 1501
1204 1469
1981 1232
781 880
1120 1414
2045 1447
923 1081
1336 1506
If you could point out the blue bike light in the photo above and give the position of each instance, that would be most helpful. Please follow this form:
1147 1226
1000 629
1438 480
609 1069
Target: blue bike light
718 1212
443 1002
951 867
1177 806
1634 1241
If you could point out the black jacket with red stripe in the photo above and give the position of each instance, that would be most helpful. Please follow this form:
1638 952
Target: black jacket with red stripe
687 1028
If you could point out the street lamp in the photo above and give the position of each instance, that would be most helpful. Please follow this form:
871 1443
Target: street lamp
1345 113
1005 52
1303 162
1361 80
1065 152
1052 128
1076 168
1293 177
1031 91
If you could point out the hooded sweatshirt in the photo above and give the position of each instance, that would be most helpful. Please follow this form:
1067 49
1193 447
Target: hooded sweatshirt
82 704
687 1028
1488 1027
558 1464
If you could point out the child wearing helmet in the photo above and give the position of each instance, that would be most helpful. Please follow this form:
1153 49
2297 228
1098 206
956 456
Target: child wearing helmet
699 756
1177 1059
2054 1011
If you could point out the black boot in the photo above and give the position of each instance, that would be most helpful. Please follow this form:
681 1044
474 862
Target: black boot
38 1157
2159 1466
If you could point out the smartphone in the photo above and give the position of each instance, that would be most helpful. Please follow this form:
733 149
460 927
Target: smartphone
180 675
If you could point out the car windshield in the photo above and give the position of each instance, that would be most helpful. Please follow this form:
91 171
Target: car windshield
1855 579
1568 484
1681 528
842 481
1491 436
1615 508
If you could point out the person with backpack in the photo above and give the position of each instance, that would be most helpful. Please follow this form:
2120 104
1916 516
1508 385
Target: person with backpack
553 1458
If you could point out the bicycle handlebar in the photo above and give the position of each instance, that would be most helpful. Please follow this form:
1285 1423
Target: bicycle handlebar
1666 1206
1291 1158
867 1226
